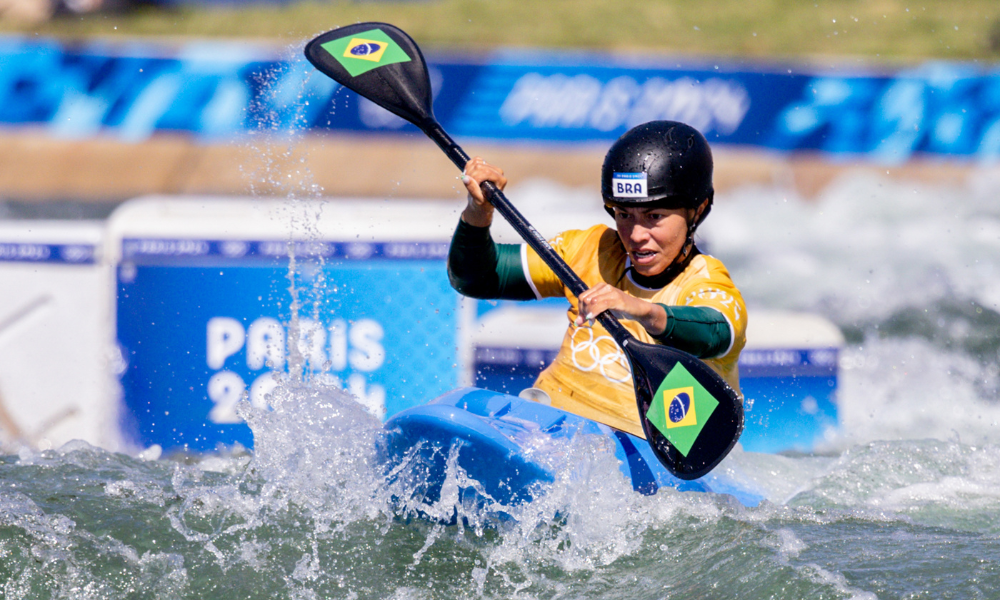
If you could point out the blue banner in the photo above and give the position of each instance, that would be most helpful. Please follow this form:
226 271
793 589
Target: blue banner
77 254
157 250
204 324
224 90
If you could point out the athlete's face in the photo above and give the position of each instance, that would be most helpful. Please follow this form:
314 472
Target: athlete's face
653 237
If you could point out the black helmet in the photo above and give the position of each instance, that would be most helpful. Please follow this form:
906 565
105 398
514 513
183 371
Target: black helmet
661 163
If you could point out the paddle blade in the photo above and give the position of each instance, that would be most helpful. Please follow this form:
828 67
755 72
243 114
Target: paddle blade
691 417
379 62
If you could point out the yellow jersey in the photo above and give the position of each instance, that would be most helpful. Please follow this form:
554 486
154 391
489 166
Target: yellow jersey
590 376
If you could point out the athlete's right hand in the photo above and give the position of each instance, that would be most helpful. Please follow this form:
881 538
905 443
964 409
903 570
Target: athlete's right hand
479 212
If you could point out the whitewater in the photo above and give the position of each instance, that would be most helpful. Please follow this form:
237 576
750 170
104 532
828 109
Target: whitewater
903 501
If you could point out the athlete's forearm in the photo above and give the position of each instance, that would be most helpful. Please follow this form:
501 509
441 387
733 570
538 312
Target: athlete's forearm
698 330
654 318
480 268
478 215
602 297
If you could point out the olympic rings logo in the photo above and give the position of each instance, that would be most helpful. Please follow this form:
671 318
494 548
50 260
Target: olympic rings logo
589 351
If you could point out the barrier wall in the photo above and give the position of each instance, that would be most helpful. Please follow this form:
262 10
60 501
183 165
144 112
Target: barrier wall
788 370
57 364
210 307
788 375
221 90
203 317
194 304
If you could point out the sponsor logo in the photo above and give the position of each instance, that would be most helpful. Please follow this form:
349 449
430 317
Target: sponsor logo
599 353
365 51
329 349
360 250
24 252
582 101
726 300
680 408
77 253
629 185
234 248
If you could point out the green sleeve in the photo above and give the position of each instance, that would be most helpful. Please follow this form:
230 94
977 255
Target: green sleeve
698 330
480 268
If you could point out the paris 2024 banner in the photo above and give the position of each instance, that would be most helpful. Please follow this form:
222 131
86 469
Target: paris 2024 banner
224 90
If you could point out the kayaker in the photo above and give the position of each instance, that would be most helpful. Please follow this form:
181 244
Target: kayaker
656 182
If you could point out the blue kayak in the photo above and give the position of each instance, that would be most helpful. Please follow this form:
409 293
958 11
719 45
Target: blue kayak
493 437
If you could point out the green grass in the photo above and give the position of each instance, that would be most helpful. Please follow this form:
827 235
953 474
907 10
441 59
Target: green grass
881 30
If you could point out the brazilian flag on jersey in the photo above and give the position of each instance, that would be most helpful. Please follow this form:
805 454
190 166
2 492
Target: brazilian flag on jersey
365 51
680 408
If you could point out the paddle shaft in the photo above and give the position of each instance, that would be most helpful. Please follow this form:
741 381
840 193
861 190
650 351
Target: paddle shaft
530 235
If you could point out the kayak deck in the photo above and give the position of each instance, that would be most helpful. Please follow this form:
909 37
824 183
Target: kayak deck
496 438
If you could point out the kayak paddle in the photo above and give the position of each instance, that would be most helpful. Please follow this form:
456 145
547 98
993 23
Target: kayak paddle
691 417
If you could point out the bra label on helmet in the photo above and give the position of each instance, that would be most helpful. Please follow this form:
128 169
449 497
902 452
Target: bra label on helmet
629 185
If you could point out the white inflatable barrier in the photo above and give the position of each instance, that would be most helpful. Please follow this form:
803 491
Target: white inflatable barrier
56 342
210 308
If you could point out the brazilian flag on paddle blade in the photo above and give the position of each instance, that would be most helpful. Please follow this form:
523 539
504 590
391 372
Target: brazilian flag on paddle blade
680 408
362 52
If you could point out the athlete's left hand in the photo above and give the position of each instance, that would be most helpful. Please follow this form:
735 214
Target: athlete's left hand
604 297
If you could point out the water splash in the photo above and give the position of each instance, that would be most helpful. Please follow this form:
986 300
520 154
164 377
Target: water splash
904 504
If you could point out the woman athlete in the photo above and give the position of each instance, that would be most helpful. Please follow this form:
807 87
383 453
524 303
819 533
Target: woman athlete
656 182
